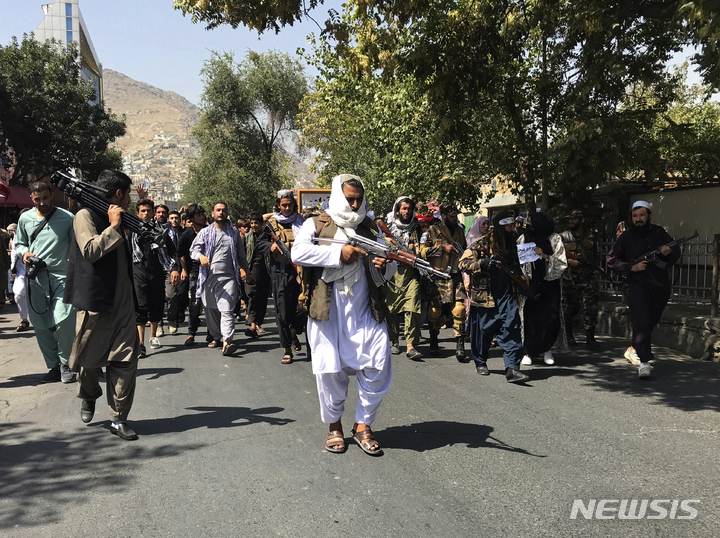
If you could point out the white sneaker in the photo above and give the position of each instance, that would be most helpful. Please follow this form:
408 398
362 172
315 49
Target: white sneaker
632 356
526 361
155 343
645 370
160 331
548 358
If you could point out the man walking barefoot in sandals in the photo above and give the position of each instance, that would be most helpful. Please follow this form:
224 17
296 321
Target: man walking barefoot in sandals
346 330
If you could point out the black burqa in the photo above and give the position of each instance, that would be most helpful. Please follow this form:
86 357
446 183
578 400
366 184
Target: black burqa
541 317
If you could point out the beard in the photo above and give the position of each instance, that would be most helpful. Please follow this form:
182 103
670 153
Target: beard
404 220
451 225
575 227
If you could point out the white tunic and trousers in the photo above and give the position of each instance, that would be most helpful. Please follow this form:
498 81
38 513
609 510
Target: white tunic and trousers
350 342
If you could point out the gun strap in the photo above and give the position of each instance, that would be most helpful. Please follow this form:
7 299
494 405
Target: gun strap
37 231
443 230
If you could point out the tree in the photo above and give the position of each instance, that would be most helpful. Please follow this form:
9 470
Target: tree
247 110
261 16
47 119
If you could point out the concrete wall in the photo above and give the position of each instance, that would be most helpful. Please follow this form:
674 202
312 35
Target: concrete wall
682 211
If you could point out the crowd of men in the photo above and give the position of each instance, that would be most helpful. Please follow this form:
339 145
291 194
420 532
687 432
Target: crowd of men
90 288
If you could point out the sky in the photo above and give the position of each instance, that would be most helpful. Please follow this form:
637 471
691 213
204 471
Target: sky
149 41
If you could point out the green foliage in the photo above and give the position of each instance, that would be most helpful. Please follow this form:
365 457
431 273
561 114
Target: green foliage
247 108
46 118
260 16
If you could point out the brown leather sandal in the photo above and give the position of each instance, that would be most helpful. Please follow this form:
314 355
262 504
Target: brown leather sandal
287 358
214 343
366 441
335 438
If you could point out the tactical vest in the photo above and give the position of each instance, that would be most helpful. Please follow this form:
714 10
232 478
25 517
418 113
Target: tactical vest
316 294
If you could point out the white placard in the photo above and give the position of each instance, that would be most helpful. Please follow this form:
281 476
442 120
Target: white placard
526 253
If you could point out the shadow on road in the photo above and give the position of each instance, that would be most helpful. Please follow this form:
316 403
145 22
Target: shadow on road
25 380
435 434
689 385
209 417
43 473
157 373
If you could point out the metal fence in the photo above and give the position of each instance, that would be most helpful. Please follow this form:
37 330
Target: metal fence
694 277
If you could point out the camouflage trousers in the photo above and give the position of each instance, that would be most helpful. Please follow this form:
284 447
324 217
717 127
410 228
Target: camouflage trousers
448 299
580 296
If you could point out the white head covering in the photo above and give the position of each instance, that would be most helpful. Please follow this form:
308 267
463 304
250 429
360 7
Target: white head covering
642 203
339 209
474 233
347 220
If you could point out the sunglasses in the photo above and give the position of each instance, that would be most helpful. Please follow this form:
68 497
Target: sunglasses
352 199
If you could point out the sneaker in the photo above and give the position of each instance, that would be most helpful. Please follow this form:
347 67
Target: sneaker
66 374
632 356
143 351
548 358
526 361
395 349
155 343
414 355
173 329
160 332
515 376
482 370
645 370
53 376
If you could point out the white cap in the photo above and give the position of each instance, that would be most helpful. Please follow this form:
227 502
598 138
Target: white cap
642 203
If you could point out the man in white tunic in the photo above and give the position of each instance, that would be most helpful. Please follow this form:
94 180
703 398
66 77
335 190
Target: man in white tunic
221 252
346 329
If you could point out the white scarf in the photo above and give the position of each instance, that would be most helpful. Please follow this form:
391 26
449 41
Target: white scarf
346 220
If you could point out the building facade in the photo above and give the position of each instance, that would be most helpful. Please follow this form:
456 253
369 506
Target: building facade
64 22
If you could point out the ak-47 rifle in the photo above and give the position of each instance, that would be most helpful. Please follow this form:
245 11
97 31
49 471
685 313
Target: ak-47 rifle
84 193
516 278
595 268
402 250
391 252
279 242
653 255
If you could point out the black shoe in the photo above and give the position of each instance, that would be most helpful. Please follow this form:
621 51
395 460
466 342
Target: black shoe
87 410
434 344
124 432
571 339
53 376
590 338
460 351
190 340
482 370
414 355
251 333
143 351
515 376
395 349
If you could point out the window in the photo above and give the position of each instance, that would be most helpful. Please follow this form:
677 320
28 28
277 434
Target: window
68 24
68 36
68 9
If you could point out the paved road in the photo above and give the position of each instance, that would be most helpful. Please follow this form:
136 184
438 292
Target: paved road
233 447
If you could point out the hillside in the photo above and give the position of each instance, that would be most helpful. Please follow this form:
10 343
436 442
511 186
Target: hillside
158 143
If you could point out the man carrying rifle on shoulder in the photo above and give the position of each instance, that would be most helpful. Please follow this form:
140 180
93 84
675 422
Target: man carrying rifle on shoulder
580 282
443 247
647 283
491 262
